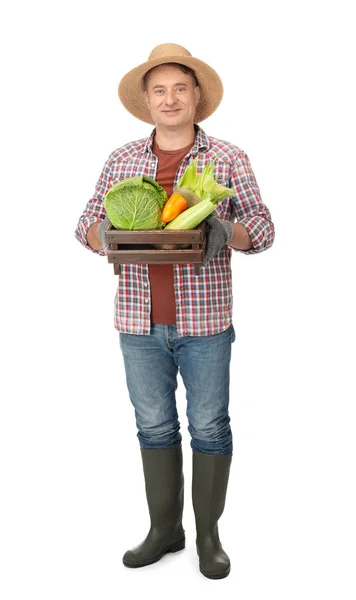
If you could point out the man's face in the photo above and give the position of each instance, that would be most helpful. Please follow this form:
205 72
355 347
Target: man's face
171 97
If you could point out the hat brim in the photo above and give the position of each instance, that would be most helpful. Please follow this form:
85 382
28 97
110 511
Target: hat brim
131 91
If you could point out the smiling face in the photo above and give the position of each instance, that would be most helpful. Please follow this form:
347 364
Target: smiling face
171 96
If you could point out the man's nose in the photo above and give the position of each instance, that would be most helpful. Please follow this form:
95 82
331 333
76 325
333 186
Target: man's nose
170 97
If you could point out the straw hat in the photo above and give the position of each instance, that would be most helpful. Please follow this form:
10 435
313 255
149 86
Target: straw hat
131 85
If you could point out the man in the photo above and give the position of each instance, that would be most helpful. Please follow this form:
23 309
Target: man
170 319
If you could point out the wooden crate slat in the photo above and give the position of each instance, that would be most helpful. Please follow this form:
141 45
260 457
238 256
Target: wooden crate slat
159 236
155 257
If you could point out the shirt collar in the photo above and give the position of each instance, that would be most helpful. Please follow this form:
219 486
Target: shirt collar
201 143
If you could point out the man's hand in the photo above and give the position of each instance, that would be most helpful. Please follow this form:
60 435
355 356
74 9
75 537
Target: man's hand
96 235
102 227
219 233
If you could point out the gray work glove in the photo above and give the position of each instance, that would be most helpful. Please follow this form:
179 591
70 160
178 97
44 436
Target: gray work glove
101 231
219 233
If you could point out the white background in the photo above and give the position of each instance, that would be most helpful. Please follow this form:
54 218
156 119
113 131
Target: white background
72 498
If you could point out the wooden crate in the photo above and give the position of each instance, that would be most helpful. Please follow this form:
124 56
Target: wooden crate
136 247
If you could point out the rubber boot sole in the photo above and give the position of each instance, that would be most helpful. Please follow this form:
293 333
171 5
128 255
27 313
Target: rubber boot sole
216 576
173 548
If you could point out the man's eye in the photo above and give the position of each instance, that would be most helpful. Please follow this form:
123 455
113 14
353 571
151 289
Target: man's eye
158 92
181 89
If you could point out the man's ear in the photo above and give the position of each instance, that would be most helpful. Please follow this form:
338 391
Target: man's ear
197 94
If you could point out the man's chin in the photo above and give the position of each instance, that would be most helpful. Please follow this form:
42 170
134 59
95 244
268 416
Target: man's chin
172 121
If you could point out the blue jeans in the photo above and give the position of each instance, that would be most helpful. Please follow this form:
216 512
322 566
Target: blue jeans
151 366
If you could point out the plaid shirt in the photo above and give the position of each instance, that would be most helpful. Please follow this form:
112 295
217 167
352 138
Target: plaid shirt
203 302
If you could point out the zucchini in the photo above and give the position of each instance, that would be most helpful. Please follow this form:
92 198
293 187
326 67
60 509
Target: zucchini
191 217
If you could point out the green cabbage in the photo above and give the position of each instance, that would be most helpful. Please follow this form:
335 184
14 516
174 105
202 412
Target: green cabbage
135 203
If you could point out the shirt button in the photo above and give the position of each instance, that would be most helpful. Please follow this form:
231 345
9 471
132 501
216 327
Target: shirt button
146 300
145 284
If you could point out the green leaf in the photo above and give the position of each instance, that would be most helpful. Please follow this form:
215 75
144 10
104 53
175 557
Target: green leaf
205 183
189 176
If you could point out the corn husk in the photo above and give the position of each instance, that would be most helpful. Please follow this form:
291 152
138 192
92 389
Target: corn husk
204 186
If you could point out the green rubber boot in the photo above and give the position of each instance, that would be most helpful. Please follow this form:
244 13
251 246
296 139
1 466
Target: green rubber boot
210 479
164 491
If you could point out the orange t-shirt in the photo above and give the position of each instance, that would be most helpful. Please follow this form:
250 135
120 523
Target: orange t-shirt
163 304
